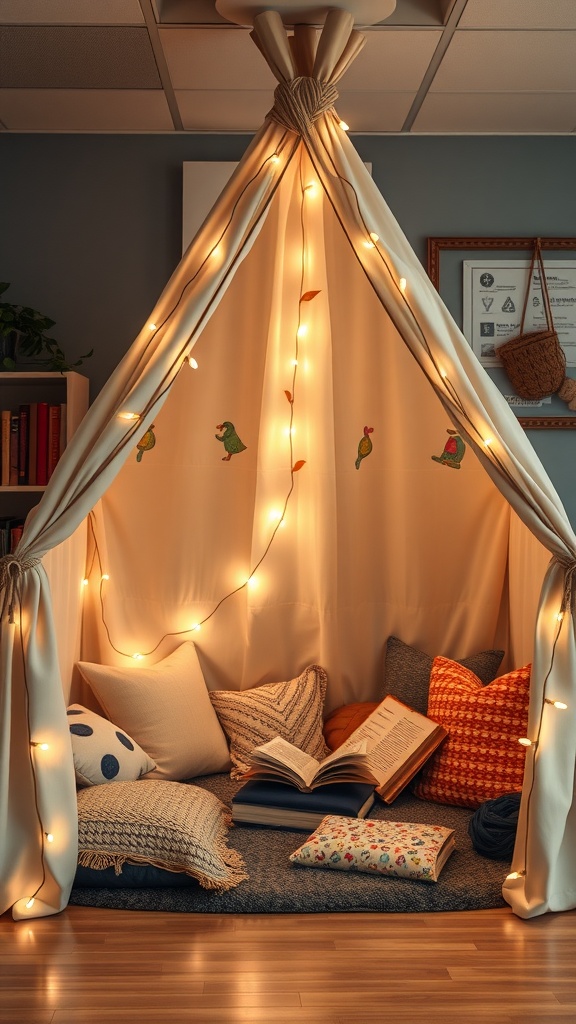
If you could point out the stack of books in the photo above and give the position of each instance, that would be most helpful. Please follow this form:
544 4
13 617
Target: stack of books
33 438
280 806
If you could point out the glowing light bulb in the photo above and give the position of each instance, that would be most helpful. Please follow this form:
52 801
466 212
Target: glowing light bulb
369 245
560 616
252 582
515 874
294 362
302 331
84 582
216 251
105 576
30 903
129 416
374 236
345 127
402 284
195 628
311 188
525 742
488 441
289 431
49 837
192 362
556 704
152 327
274 159
137 656
275 514
41 746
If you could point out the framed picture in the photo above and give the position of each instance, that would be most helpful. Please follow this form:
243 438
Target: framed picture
483 282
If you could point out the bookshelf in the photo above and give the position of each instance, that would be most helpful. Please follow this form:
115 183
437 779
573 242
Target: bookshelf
27 388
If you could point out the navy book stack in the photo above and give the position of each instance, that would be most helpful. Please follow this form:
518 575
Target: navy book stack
282 806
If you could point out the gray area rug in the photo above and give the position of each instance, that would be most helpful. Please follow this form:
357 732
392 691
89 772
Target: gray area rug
276 886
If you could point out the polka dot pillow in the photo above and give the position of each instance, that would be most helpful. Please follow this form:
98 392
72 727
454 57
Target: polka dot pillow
103 753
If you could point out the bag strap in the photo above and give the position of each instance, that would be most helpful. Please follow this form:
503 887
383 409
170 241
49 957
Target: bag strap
537 256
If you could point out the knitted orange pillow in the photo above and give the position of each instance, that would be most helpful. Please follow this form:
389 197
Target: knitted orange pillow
481 758
341 723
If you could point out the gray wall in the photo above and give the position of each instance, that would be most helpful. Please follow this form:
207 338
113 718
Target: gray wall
90 225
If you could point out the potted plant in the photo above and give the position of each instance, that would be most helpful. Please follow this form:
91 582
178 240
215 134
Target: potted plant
23 333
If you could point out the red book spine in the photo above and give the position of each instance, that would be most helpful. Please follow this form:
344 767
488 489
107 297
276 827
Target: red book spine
14 430
42 445
53 438
23 442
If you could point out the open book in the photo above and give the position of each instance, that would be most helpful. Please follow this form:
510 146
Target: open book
386 750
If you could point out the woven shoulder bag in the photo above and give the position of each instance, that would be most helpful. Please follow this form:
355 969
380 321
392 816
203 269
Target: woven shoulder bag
534 361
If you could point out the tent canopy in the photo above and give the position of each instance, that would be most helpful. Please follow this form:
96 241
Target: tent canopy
293 497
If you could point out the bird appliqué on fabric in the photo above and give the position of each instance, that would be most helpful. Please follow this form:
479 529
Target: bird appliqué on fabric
146 443
230 440
454 450
364 445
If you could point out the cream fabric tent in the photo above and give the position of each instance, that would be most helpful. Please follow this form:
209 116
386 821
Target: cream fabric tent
453 562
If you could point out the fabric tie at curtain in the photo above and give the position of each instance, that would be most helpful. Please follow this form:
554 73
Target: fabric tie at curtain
12 570
569 567
299 103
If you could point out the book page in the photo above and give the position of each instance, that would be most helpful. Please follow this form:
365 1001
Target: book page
392 732
282 752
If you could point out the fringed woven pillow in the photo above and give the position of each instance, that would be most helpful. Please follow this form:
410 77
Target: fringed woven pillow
292 710
169 825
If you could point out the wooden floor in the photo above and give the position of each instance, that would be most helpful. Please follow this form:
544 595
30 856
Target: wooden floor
90 966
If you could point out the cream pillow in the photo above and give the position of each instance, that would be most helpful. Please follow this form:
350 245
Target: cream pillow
167 710
293 710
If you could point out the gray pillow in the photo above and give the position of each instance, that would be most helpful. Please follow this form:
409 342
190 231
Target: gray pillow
407 671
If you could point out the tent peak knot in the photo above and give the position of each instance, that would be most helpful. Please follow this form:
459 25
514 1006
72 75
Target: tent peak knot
12 569
569 567
300 102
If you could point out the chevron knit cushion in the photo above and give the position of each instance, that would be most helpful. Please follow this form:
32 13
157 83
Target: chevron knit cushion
169 825
481 758
292 710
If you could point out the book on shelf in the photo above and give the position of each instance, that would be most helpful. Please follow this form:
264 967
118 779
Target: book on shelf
14 448
42 445
278 805
32 439
23 443
5 426
11 528
54 414
386 751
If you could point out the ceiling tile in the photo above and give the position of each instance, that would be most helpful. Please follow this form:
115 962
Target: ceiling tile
375 111
508 62
70 12
523 113
215 59
76 57
236 110
69 110
544 14
393 60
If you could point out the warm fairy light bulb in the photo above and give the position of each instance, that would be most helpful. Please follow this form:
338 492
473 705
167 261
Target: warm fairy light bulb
216 251
374 236
311 188
85 582
129 416
294 362
30 903
345 127
525 742
302 331
369 245
560 616
488 441
195 628
192 362
41 746
402 284
137 657
49 837
556 704
275 514
515 874
274 159
289 431
105 576
152 327
252 582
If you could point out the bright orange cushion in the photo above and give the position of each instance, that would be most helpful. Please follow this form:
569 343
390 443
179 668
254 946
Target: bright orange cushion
481 758
341 723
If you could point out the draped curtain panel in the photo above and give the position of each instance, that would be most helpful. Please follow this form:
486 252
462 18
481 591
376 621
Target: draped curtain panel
292 496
